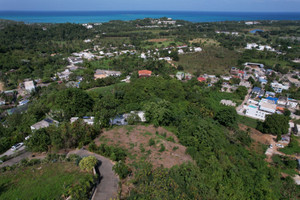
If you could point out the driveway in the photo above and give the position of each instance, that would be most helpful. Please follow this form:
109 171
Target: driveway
108 187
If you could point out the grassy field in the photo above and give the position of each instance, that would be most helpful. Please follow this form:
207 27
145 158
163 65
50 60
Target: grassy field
205 41
46 181
212 60
247 121
95 92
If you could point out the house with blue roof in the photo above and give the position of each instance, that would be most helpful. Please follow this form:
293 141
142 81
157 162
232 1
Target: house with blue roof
272 99
256 90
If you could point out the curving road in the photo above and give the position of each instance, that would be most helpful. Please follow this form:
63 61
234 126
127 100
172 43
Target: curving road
108 187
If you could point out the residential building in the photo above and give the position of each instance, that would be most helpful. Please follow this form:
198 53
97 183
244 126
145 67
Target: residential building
254 112
145 73
180 75
64 75
188 76
43 124
29 86
21 103
254 65
201 79
227 102
256 90
140 114
86 119
270 94
246 84
180 51
106 73
2 102
262 80
282 101
278 87
75 60
268 107
292 103
119 120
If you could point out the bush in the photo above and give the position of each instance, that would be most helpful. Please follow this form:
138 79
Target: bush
88 163
162 148
121 169
151 142
227 117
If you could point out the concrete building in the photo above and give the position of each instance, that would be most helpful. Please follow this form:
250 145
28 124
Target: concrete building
254 112
278 87
29 86
180 75
268 107
86 119
43 124
106 73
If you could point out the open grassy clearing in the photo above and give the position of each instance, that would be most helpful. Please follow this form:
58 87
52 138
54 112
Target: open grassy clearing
212 60
95 92
44 181
205 41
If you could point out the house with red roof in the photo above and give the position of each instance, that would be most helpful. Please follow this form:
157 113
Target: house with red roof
145 73
201 79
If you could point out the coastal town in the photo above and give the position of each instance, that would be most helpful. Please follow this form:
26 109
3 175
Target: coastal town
123 87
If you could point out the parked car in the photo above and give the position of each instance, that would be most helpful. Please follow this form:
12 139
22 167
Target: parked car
271 146
17 146
280 145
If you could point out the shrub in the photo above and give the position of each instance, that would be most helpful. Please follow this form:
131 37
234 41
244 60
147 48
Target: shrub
162 148
151 142
121 169
87 163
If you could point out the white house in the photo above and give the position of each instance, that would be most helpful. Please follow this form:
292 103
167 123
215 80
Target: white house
278 87
43 124
29 86
180 51
268 107
87 120
197 49
254 112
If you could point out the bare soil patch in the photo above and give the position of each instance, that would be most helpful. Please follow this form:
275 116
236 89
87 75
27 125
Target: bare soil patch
159 40
1 86
136 140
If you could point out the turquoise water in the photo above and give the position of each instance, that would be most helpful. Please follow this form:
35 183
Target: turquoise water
252 106
105 16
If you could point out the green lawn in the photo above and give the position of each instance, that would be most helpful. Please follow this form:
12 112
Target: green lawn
212 60
247 121
95 92
45 181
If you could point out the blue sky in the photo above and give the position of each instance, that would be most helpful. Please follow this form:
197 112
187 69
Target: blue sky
184 5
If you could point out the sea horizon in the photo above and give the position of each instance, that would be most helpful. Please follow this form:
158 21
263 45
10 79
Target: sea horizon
106 16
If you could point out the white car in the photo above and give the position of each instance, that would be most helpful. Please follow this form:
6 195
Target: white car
271 146
17 146
280 145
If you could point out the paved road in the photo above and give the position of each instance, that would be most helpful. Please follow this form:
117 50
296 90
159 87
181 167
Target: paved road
239 109
11 152
17 159
108 187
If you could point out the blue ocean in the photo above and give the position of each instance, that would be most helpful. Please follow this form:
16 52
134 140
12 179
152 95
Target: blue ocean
105 16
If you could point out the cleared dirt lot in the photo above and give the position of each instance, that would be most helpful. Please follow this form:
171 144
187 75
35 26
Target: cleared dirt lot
159 40
136 140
